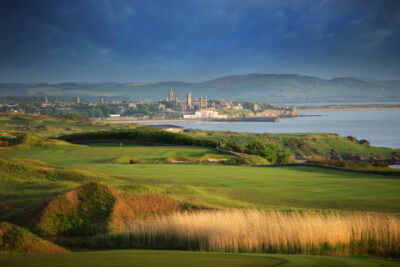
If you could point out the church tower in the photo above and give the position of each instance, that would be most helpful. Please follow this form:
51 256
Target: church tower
171 95
189 101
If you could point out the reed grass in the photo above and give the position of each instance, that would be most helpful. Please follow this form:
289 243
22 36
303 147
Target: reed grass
330 233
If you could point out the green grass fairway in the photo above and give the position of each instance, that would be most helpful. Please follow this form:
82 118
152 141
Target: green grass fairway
130 258
208 185
83 155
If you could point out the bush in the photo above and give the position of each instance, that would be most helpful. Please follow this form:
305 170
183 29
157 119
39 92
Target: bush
229 145
381 164
350 164
364 142
252 160
133 161
352 138
284 157
270 152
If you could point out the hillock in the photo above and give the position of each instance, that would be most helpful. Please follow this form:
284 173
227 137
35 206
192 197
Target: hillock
16 240
98 208
140 136
307 145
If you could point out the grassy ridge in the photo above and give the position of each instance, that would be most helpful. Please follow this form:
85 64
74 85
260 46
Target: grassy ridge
51 126
302 144
16 240
141 135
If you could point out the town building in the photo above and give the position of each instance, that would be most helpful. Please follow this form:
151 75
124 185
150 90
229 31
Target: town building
189 101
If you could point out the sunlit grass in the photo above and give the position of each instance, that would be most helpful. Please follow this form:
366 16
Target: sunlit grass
265 232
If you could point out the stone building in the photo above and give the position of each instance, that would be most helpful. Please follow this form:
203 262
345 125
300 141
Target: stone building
171 95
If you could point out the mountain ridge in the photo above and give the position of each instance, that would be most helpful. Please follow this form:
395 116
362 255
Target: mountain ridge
274 88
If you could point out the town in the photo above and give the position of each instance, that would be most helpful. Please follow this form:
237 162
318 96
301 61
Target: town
172 107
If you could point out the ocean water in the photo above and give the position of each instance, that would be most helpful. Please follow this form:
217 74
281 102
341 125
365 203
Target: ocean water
380 127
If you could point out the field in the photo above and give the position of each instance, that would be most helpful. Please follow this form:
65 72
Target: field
122 258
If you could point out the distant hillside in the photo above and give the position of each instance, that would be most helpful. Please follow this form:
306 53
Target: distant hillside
276 88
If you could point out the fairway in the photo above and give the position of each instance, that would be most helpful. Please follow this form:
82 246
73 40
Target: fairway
209 185
122 258
82 155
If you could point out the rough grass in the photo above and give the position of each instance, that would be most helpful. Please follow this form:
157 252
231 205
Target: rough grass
264 232
95 208
302 144
16 240
50 126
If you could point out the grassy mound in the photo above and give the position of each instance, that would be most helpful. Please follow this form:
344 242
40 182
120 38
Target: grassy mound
141 135
16 240
98 208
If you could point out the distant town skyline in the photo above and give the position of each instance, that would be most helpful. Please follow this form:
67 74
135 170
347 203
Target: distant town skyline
196 40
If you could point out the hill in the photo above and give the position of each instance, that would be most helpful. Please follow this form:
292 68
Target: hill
99 208
16 240
276 88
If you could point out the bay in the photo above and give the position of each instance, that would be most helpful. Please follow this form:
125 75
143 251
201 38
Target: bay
379 127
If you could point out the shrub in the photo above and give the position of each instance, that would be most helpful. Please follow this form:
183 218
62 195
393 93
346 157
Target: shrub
364 142
284 156
270 152
133 161
352 138
4 143
252 160
350 164
299 144
381 164
229 145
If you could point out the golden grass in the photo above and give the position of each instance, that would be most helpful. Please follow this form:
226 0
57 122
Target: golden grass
265 231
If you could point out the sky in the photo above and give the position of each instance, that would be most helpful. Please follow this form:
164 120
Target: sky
196 40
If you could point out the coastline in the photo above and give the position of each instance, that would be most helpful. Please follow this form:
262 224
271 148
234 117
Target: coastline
167 120
348 109
299 109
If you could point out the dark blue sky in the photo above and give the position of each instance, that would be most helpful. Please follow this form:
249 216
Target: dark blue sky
115 40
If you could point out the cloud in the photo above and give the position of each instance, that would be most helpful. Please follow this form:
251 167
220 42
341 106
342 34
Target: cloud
196 39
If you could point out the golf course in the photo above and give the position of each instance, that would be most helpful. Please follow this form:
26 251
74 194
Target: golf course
179 204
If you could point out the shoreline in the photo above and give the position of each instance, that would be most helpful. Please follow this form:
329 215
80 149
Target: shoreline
348 109
130 120
168 120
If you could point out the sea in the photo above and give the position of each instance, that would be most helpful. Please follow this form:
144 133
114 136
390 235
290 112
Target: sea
380 127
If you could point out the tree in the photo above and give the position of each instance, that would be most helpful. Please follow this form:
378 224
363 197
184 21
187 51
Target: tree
256 148
284 156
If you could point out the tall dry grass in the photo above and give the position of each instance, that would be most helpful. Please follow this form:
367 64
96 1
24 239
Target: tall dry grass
264 232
